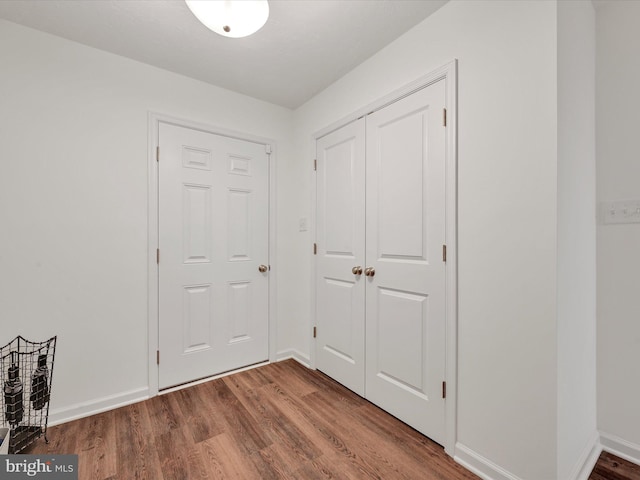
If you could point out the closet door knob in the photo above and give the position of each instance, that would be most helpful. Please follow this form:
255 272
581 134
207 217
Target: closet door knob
370 271
357 270
263 268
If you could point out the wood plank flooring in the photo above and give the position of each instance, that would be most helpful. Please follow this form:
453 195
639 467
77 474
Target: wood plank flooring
279 421
610 467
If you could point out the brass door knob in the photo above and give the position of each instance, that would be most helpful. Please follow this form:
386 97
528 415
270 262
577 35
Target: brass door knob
263 268
370 271
357 270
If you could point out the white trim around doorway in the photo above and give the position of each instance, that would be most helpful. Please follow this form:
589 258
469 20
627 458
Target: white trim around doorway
154 120
448 73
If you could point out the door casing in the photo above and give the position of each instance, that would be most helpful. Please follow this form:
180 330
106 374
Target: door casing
154 120
448 73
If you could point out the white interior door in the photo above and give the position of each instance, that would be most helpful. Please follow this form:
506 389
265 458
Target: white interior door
405 299
340 233
213 237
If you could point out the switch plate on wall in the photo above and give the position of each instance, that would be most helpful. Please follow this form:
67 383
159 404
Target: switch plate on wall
622 211
303 224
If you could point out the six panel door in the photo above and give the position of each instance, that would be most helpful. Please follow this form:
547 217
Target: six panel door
213 236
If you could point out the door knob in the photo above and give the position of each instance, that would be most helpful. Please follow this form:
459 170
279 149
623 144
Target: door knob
263 268
357 270
370 271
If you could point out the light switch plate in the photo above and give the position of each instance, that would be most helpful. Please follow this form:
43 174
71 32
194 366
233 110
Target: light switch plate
303 224
622 211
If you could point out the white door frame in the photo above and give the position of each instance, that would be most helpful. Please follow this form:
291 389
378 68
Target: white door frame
448 73
154 120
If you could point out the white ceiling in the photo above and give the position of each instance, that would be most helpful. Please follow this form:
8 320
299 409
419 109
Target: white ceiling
305 46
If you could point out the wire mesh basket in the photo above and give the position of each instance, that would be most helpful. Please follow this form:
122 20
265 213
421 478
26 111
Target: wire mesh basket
26 370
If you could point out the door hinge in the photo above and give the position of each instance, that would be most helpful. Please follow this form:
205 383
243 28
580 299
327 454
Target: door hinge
315 332
444 389
315 248
444 117
157 153
157 357
444 253
158 256
267 149
315 164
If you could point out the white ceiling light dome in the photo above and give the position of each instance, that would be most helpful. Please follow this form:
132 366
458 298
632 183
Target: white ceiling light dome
231 18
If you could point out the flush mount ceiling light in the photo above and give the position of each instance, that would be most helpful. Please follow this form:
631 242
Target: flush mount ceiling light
231 18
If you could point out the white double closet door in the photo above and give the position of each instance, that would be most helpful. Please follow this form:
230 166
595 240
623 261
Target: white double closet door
381 283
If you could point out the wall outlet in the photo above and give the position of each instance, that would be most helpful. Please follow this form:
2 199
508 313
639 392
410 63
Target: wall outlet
622 211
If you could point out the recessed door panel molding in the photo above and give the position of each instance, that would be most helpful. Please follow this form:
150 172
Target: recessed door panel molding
193 157
239 224
404 222
401 324
213 235
239 165
196 217
339 341
196 317
339 208
401 152
239 302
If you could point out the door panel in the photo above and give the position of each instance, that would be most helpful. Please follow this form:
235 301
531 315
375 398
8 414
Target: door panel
239 222
196 228
213 235
196 303
406 334
405 231
340 233
401 207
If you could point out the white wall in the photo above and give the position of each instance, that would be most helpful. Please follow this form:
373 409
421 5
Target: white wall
507 213
73 203
618 178
577 434
73 206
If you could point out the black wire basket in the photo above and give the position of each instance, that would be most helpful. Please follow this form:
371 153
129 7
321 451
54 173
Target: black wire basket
26 371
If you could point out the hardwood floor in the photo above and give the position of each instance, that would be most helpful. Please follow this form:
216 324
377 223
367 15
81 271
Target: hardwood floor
279 421
610 467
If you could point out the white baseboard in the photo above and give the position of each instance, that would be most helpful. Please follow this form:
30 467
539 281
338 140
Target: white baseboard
295 354
93 407
588 459
481 466
488 470
620 447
